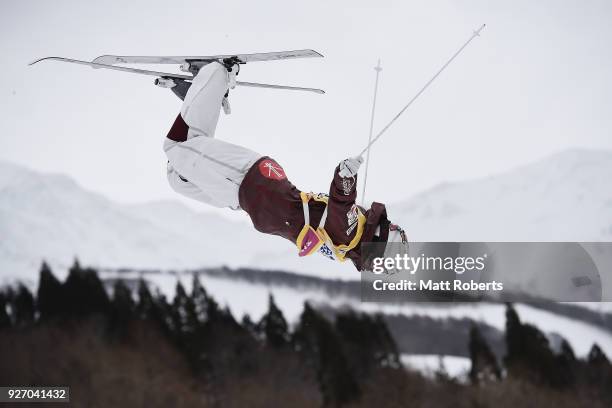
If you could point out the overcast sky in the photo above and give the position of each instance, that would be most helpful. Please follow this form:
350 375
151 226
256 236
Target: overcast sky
537 81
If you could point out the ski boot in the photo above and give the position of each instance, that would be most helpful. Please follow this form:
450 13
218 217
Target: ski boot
233 68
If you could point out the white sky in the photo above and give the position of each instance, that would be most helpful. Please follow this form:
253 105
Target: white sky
536 82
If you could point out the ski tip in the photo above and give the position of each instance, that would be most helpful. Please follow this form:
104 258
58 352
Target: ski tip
47 59
38 60
317 53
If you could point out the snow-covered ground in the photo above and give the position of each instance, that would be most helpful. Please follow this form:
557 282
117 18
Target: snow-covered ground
602 307
252 299
430 364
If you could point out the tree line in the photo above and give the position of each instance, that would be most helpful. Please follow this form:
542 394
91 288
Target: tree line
340 355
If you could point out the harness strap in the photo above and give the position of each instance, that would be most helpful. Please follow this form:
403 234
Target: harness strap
309 240
323 218
305 199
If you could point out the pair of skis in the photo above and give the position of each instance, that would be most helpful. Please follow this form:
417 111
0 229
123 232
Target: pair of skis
190 65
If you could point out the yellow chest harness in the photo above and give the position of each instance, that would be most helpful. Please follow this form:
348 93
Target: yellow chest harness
310 239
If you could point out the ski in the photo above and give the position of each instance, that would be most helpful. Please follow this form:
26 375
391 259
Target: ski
240 58
271 86
167 76
113 67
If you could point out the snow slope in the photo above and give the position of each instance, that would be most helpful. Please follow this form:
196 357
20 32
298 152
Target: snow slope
566 197
430 364
51 217
247 298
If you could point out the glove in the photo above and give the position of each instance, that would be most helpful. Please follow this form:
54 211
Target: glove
350 167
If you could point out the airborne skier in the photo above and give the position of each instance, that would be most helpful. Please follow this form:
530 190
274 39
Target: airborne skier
226 175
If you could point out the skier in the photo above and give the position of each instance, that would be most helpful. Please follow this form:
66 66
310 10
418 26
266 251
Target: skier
226 175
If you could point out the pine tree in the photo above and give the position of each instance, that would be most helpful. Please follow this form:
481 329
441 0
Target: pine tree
23 306
369 342
388 351
200 300
161 313
567 365
529 354
514 347
122 299
250 326
321 346
596 356
213 311
5 320
84 292
599 369
484 363
153 308
228 318
184 314
144 308
123 308
50 298
274 326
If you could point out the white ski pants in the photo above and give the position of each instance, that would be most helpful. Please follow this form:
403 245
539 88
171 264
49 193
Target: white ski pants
204 168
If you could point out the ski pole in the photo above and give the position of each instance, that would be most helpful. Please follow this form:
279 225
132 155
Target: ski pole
377 68
474 35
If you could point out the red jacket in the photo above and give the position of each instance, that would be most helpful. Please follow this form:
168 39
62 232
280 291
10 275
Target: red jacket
275 207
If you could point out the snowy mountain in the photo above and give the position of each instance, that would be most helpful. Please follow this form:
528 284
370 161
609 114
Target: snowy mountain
566 197
49 216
